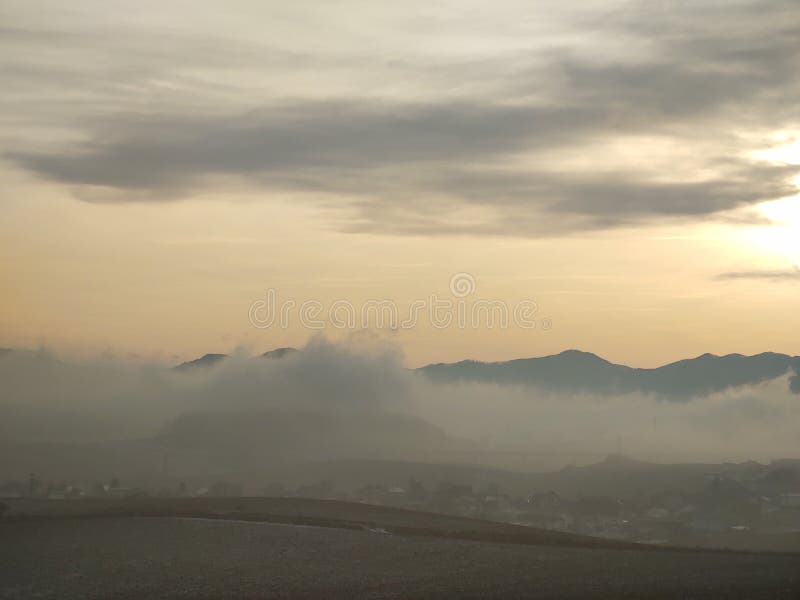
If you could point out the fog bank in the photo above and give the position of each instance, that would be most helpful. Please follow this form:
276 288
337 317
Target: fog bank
344 400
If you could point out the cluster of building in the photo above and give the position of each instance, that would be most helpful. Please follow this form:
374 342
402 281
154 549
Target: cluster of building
34 488
724 505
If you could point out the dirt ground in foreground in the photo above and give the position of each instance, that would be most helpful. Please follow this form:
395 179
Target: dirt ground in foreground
195 558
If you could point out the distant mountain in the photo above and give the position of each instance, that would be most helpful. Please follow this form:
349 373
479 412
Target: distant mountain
209 360
574 371
279 352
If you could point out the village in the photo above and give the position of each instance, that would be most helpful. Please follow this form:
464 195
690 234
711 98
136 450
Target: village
726 509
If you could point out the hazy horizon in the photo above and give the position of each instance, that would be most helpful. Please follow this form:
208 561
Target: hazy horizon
477 422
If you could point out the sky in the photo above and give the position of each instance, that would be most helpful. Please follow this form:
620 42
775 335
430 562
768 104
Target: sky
629 170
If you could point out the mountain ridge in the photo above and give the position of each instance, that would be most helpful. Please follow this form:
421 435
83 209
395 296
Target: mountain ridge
577 371
580 372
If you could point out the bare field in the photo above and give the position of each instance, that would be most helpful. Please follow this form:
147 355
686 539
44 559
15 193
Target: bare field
308 511
146 557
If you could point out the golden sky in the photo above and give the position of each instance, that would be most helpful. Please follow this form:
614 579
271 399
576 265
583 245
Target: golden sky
631 169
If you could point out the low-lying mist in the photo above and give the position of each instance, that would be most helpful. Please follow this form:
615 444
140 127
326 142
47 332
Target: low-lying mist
345 401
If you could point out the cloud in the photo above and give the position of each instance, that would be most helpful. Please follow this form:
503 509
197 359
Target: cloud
540 140
112 400
746 423
767 275
389 165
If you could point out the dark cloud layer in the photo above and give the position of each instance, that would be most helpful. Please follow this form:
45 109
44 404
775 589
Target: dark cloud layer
399 166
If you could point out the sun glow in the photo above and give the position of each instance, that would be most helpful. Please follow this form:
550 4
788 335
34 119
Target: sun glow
782 238
786 151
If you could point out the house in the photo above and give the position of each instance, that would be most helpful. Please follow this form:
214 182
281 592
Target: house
547 503
789 500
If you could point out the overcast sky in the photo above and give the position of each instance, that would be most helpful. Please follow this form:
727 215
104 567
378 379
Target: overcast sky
633 167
